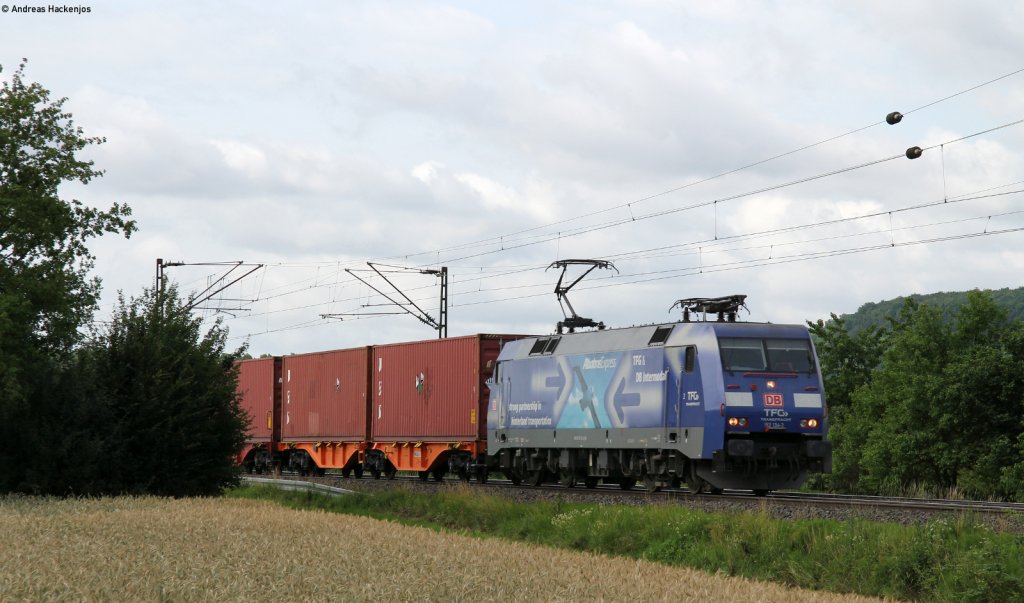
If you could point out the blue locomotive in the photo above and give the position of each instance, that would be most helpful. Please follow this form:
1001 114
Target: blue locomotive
712 404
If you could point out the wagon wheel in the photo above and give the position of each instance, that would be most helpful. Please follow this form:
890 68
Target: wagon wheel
358 471
390 471
627 483
591 482
424 475
513 476
651 483
347 471
375 472
463 475
438 474
481 475
535 477
567 478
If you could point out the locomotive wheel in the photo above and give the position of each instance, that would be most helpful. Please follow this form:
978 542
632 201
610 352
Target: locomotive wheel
716 491
424 475
695 484
567 479
627 483
760 492
591 482
481 475
535 478
675 482
513 476
651 483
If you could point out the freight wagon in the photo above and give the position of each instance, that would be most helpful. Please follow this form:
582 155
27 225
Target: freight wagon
259 388
418 406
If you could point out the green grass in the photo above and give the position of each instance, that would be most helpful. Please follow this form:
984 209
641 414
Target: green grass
944 560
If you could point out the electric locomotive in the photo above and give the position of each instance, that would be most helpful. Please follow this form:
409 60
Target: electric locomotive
712 404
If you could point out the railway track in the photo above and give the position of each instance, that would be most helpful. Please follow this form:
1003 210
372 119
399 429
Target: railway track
1005 516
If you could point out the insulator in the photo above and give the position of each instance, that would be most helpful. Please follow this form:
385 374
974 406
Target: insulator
914 152
893 118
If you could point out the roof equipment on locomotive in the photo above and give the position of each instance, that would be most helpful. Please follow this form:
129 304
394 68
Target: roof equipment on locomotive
726 307
575 321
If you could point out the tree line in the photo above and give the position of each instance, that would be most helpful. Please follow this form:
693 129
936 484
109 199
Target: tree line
143 404
933 399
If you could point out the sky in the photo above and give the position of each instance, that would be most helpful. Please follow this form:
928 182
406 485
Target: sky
704 148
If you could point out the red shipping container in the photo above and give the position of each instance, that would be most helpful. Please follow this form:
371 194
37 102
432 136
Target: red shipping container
433 390
325 396
256 386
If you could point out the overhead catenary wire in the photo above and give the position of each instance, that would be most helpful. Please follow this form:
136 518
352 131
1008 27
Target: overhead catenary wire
708 244
628 204
705 267
542 238
714 202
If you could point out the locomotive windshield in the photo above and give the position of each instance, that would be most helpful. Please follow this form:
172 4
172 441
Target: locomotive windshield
773 355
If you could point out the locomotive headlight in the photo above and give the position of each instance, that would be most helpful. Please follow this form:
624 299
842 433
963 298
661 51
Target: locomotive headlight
811 423
771 385
738 422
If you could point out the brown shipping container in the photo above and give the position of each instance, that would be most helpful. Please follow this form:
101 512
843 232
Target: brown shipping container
256 384
325 396
433 390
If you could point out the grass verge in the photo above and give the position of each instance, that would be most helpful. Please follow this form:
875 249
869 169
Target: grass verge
959 560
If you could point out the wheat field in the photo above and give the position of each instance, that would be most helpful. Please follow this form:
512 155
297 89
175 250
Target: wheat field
150 549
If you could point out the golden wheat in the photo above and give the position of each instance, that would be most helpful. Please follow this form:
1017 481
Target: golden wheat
148 549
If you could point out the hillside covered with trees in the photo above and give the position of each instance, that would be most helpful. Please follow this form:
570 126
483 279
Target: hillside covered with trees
878 314
933 399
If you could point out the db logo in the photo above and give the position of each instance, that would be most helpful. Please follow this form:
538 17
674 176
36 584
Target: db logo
773 400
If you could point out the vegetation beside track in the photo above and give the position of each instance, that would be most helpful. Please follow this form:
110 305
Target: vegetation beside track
217 549
943 560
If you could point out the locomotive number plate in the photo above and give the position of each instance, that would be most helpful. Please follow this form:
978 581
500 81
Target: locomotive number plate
773 400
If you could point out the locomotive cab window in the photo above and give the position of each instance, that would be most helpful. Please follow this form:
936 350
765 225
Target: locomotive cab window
775 355
538 346
789 355
690 358
742 354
